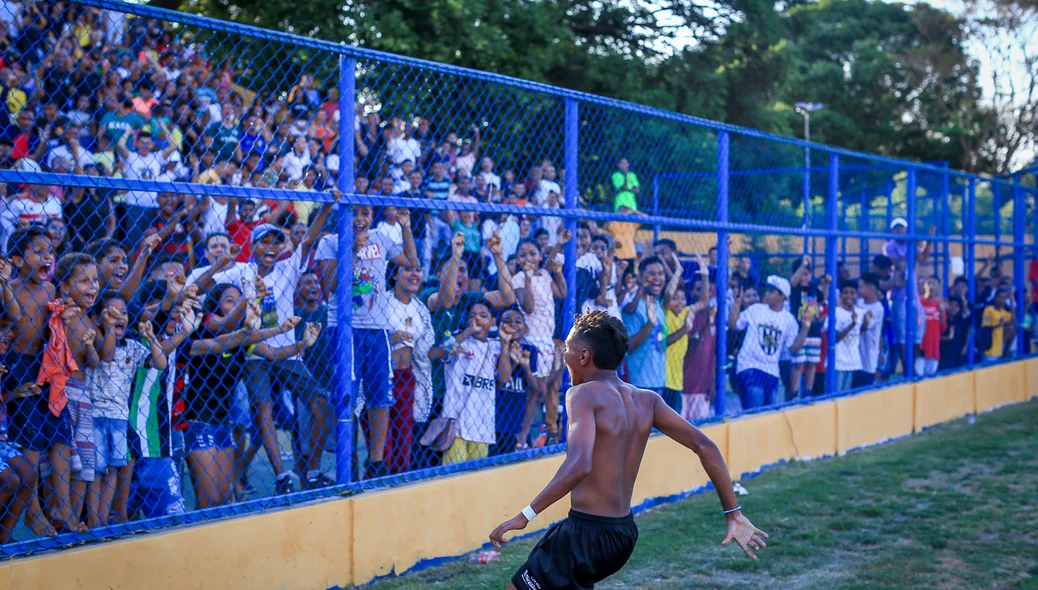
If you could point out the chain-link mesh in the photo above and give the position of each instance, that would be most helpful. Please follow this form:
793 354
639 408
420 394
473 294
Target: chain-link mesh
178 344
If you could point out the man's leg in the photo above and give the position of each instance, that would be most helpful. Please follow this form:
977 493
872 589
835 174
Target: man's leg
377 373
258 382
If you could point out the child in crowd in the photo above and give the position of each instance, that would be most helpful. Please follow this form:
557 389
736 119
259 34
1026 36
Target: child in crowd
929 353
851 321
477 369
700 361
372 253
113 382
536 291
995 322
872 335
806 295
18 479
955 337
598 270
518 396
69 355
678 318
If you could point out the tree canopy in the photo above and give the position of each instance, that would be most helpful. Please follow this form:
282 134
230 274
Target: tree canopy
895 79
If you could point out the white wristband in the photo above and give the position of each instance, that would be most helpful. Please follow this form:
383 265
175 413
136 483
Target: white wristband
529 513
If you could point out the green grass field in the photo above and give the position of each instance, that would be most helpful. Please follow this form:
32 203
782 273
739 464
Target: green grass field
954 507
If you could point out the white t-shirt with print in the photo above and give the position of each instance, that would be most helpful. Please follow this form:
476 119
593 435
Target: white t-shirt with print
404 317
472 389
279 304
848 350
768 333
871 338
113 380
140 167
540 323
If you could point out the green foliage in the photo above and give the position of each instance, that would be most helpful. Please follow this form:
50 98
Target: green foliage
895 79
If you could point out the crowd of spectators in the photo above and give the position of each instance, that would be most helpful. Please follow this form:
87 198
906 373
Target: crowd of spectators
149 335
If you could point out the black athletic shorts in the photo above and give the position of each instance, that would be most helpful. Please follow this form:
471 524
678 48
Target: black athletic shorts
578 552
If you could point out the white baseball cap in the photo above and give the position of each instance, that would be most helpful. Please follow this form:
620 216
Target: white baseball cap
898 221
779 284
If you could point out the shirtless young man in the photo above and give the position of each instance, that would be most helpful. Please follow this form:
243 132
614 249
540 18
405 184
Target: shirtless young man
609 425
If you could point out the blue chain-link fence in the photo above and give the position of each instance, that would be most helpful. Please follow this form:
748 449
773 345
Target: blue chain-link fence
246 269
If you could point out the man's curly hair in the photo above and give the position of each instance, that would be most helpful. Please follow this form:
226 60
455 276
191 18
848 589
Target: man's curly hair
605 336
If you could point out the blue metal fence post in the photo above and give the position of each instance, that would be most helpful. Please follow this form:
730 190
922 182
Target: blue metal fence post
864 226
832 226
945 232
655 207
971 261
572 129
1019 216
841 222
890 204
911 290
721 380
344 279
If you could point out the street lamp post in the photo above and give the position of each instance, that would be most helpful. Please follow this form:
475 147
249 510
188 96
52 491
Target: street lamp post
805 109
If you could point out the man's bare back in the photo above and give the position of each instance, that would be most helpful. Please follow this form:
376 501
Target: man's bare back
623 418
609 426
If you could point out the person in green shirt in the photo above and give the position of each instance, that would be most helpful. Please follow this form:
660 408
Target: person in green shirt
625 183
226 136
122 121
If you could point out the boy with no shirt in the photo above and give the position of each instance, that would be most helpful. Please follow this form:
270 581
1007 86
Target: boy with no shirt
609 426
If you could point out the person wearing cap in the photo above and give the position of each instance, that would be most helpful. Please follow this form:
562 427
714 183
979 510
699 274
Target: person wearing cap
769 329
897 251
277 302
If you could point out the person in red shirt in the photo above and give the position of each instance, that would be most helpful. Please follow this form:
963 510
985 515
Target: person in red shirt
929 353
241 228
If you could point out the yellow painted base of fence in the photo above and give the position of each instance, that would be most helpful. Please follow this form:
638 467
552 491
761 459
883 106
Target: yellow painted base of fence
352 540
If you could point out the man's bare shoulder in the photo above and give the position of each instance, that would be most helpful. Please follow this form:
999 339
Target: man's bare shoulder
600 389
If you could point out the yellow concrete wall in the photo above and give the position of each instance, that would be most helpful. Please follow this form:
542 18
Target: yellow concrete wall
352 540
869 418
1000 385
814 429
444 517
306 547
942 399
1031 368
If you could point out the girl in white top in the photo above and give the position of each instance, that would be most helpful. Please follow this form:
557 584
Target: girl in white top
411 336
536 291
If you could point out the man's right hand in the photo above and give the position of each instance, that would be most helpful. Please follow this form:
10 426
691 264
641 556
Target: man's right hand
748 537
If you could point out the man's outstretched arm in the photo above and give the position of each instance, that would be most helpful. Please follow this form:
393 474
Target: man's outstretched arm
580 444
667 421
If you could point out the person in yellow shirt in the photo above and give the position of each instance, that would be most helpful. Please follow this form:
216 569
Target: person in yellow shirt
678 320
999 319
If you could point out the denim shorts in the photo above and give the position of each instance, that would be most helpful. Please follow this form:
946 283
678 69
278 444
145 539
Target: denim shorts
373 366
201 436
110 440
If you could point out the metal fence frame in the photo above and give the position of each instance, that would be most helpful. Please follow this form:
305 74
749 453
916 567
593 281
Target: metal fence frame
836 229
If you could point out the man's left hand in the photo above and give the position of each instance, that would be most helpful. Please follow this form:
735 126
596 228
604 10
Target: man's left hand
517 523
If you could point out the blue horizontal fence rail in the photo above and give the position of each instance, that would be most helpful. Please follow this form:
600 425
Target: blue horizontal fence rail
358 185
